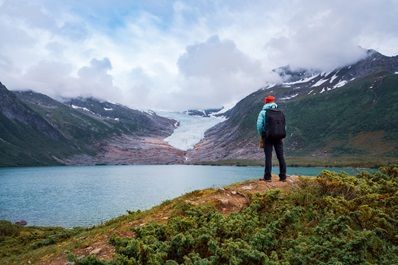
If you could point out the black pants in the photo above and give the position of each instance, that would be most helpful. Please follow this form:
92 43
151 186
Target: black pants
278 145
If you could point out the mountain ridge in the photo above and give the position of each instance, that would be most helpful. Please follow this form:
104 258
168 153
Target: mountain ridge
326 114
315 103
80 136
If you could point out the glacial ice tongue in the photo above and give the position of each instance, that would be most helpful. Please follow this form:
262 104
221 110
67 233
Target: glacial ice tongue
191 129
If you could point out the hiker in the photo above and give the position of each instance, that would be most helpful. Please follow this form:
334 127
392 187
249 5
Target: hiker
271 128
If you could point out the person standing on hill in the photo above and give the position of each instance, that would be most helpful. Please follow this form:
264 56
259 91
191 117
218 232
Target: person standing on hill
271 128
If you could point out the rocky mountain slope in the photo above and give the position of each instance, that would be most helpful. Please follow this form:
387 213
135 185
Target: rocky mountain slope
26 138
38 130
349 112
348 115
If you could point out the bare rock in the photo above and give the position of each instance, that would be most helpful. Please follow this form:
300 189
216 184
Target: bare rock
95 251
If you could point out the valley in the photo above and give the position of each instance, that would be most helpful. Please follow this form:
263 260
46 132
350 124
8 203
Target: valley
345 117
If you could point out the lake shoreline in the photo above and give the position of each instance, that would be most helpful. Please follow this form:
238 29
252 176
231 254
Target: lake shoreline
71 196
48 243
229 205
290 162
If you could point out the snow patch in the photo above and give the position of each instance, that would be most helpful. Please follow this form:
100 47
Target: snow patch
106 109
396 73
191 129
116 119
289 97
320 82
333 78
224 109
340 84
310 92
328 73
323 90
268 86
305 80
77 107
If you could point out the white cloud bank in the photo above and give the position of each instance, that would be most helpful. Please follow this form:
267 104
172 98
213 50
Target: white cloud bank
177 55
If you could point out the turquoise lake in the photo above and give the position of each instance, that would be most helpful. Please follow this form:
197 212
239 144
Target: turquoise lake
88 195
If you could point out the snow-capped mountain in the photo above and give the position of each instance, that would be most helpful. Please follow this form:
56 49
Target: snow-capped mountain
350 111
288 74
38 130
311 82
135 121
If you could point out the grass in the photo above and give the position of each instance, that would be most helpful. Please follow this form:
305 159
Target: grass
37 245
334 218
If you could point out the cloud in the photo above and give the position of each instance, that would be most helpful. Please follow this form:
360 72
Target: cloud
56 79
325 35
95 81
178 54
217 71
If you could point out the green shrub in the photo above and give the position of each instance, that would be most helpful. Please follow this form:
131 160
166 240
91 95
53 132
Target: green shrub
331 219
8 229
90 260
55 236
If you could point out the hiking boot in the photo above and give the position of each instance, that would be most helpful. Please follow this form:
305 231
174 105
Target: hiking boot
283 179
266 180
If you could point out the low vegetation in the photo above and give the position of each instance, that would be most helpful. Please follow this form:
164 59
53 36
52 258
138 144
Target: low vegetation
16 240
334 218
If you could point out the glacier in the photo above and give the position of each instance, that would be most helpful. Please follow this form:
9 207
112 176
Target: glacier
190 130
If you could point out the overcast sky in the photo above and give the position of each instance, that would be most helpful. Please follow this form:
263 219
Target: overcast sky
175 55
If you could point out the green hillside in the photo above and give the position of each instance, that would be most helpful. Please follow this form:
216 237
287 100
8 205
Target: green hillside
21 145
358 121
26 138
75 125
334 218
37 130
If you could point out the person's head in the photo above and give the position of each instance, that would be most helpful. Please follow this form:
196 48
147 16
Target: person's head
269 99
